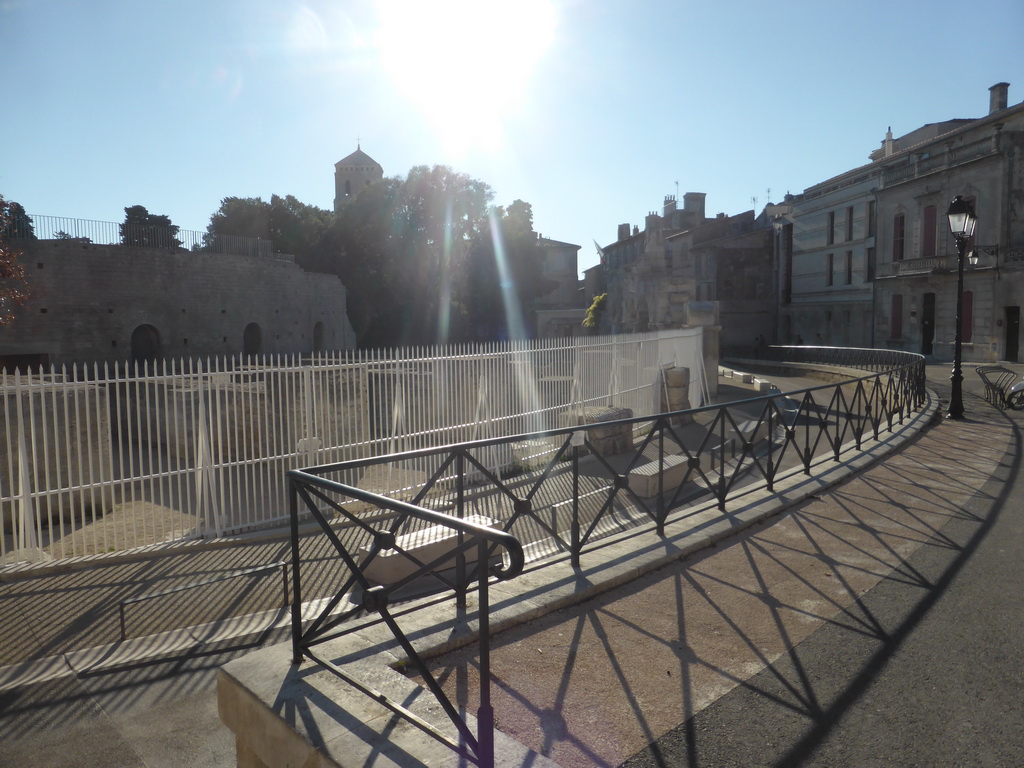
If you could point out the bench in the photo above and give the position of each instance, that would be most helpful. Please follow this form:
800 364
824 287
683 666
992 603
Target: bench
426 545
998 381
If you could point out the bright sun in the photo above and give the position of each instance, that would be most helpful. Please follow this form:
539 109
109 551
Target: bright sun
464 64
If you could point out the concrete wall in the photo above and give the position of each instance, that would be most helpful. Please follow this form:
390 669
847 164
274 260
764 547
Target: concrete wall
88 300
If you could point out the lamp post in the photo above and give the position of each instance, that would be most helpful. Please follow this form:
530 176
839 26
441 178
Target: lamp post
961 224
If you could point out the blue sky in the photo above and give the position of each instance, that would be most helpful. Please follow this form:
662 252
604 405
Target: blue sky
591 110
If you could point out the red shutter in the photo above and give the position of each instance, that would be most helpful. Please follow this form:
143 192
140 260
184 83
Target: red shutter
967 318
897 237
896 317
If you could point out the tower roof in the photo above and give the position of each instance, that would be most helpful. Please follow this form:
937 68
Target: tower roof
357 158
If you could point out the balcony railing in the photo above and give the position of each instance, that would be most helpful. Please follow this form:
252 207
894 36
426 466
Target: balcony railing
566 496
917 266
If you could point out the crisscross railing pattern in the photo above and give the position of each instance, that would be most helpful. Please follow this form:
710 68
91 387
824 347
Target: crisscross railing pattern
565 491
358 595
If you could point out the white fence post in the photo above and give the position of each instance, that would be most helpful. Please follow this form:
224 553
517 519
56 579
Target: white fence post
206 484
131 438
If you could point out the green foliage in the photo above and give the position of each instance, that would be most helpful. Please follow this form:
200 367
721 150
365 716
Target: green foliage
289 224
15 224
62 235
148 230
13 288
593 317
425 259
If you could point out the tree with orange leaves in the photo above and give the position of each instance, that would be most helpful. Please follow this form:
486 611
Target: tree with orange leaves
13 288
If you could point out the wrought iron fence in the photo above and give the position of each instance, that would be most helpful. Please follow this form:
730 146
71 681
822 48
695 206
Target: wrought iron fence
573 486
86 231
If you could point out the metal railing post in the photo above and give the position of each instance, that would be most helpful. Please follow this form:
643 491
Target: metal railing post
485 713
574 526
293 513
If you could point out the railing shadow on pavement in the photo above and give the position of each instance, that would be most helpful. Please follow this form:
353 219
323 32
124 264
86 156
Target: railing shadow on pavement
797 698
475 510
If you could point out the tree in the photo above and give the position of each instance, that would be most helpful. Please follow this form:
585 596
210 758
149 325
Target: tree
592 320
506 274
242 217
291 226
17 225
402 248
295 227
148 230
13 288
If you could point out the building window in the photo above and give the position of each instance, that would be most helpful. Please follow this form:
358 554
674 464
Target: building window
830 235
830 268
967 318
871 218
849 224
896 317
928 232
849 268
787 251
898 225
869 266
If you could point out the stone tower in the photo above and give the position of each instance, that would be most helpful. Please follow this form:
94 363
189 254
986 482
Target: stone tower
352 173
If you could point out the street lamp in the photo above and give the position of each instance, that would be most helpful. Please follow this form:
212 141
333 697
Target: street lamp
961 224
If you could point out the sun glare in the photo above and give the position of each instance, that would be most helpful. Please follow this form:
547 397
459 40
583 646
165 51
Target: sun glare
465 65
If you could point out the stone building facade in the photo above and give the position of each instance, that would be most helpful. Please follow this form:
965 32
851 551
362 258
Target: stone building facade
915 289
685 269
866 258
352 173
649 274
827 262
106 303
560 311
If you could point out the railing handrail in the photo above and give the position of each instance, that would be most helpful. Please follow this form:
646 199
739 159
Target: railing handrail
835 424
498 537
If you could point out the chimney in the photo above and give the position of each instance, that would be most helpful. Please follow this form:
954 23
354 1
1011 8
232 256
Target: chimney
997 97
670 205
693 202
623 232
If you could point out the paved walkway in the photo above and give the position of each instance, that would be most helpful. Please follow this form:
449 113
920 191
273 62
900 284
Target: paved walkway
711 643
877 624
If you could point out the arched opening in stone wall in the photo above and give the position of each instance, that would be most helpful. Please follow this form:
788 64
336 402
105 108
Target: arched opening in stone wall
252 339
318 337
146 344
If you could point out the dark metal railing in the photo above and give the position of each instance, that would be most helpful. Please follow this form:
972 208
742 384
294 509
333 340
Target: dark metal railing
86 231
568 493
458 537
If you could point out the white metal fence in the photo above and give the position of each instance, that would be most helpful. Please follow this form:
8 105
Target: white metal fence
117 457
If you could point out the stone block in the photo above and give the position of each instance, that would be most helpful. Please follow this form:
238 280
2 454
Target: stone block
677 377
643 480
607 441
425 545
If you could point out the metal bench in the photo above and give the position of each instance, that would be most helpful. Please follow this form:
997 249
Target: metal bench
998 381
